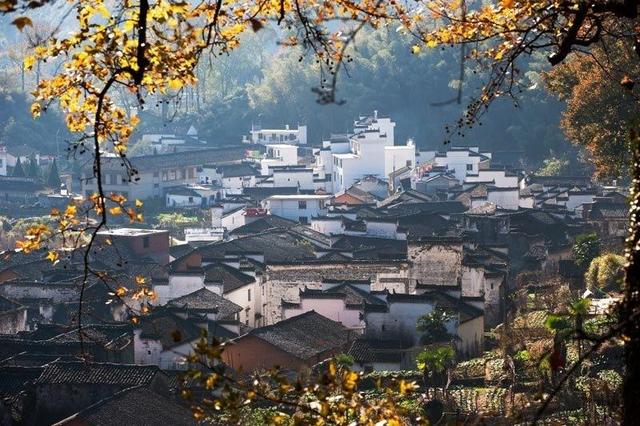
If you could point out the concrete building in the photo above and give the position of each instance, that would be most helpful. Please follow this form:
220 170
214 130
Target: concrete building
278 155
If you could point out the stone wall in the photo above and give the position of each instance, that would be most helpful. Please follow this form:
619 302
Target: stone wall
436 261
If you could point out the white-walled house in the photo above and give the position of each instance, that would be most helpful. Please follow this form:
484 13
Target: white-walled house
153 341
340 301
463 161
371 152
400 316
499 178
288 135
278 155
300 208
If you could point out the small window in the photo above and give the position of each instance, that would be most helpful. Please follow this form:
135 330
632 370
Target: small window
156 185
302 205
145 242
409 163
469 166
249 295
148 352
191 199
304 220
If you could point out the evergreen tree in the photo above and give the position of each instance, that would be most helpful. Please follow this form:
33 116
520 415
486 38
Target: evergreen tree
53 176
33 168
18 171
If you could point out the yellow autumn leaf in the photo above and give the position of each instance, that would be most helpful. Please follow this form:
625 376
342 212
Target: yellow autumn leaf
52 256
139 203
175 84
415 49
115 210
432 43
28 63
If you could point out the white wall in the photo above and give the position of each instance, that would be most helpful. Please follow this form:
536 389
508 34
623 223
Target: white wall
460 162
327 227
397 157
247 297
291 178
333 309
500 178
174 200
290 208
509 200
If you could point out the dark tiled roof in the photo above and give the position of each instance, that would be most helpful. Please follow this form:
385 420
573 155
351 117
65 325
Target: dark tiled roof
260 193
96 333
22 150
236 170
609 211
7 305
230 278
264 223
80 372
20 184
206 300
182 190
353 295
361 352
180 250
304 336
276 246
136 406
163 325
371 248
199 157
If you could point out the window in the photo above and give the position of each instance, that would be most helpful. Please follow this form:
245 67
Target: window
249 295
191 199
124 180
113 179
469 166
156 185
408 163
302 205
304 220
183 174
145 242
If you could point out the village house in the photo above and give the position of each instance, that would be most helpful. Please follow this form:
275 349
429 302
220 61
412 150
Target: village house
155 173
293 344
342 301
399 316
300 208
258 135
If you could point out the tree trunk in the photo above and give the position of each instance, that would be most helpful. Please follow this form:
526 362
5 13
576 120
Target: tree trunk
631 301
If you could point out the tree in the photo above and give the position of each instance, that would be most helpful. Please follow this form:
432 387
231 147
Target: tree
435 364
53 176
599 108
605 273
553 167
33 169
585 249
433 326
18 171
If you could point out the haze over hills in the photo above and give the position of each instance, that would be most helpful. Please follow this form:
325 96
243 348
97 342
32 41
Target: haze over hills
272 89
